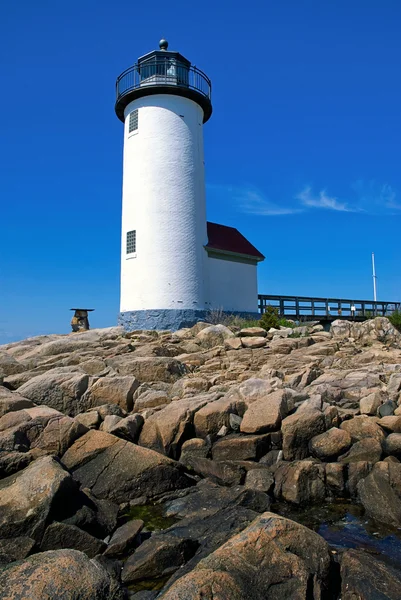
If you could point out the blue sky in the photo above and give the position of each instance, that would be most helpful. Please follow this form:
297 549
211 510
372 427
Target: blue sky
302 151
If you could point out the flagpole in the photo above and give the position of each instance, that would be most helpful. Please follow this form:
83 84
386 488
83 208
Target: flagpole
374 278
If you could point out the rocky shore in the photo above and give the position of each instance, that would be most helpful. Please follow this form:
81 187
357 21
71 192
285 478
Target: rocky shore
154 464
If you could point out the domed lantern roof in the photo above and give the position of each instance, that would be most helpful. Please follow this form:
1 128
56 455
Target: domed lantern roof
163 72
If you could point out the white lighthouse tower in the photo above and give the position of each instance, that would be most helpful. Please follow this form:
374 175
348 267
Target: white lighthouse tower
163 101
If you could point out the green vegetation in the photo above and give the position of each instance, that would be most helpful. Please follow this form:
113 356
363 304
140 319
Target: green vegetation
219 317
395 319
151 515
271 318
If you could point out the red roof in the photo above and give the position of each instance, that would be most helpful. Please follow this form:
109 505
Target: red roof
229 239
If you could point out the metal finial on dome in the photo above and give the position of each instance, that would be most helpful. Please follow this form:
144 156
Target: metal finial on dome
163 44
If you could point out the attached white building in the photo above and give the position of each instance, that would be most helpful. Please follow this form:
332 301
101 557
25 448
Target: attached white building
174 266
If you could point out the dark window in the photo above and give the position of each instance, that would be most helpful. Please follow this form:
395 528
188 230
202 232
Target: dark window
133 121
131 242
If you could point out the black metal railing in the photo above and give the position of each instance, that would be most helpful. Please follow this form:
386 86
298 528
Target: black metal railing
163 71
306 308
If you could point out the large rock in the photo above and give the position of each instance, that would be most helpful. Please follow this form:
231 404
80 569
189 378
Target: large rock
366 578
379 329
241 447
167 429
362 427
392 445
367 449
390 424
9 365
330 444
118 470
215 335
380 493
124 539
158 556
370 403
61 391
128 428
213 416
298 429
12 401
265 414
300 482
39 427
273 555
148 368
61 535
31 498
58 574
111 390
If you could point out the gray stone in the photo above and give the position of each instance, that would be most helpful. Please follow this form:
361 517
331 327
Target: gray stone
124 539
60 535
386 409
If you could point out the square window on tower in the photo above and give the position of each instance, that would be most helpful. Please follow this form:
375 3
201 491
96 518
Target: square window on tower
133 121
131 242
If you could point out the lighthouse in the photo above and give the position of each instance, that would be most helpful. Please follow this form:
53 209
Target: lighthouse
166 277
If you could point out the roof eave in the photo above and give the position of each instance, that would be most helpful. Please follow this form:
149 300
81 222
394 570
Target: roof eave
256 258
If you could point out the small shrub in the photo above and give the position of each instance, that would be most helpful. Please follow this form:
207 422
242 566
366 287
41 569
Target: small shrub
271 318
395 319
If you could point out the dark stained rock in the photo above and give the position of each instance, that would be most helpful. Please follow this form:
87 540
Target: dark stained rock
356 472
128 428
207 499
60 535
124 539
298 429
58 574
11 462
241 447
366 578
223 472
335 479
300 482
15 549
367 449
160 555
330 444
119 471
30 498
392 445
272 553
380 493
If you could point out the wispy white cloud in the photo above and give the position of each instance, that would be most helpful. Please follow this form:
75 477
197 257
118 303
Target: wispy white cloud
321 200
375 197
365 197
250 200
